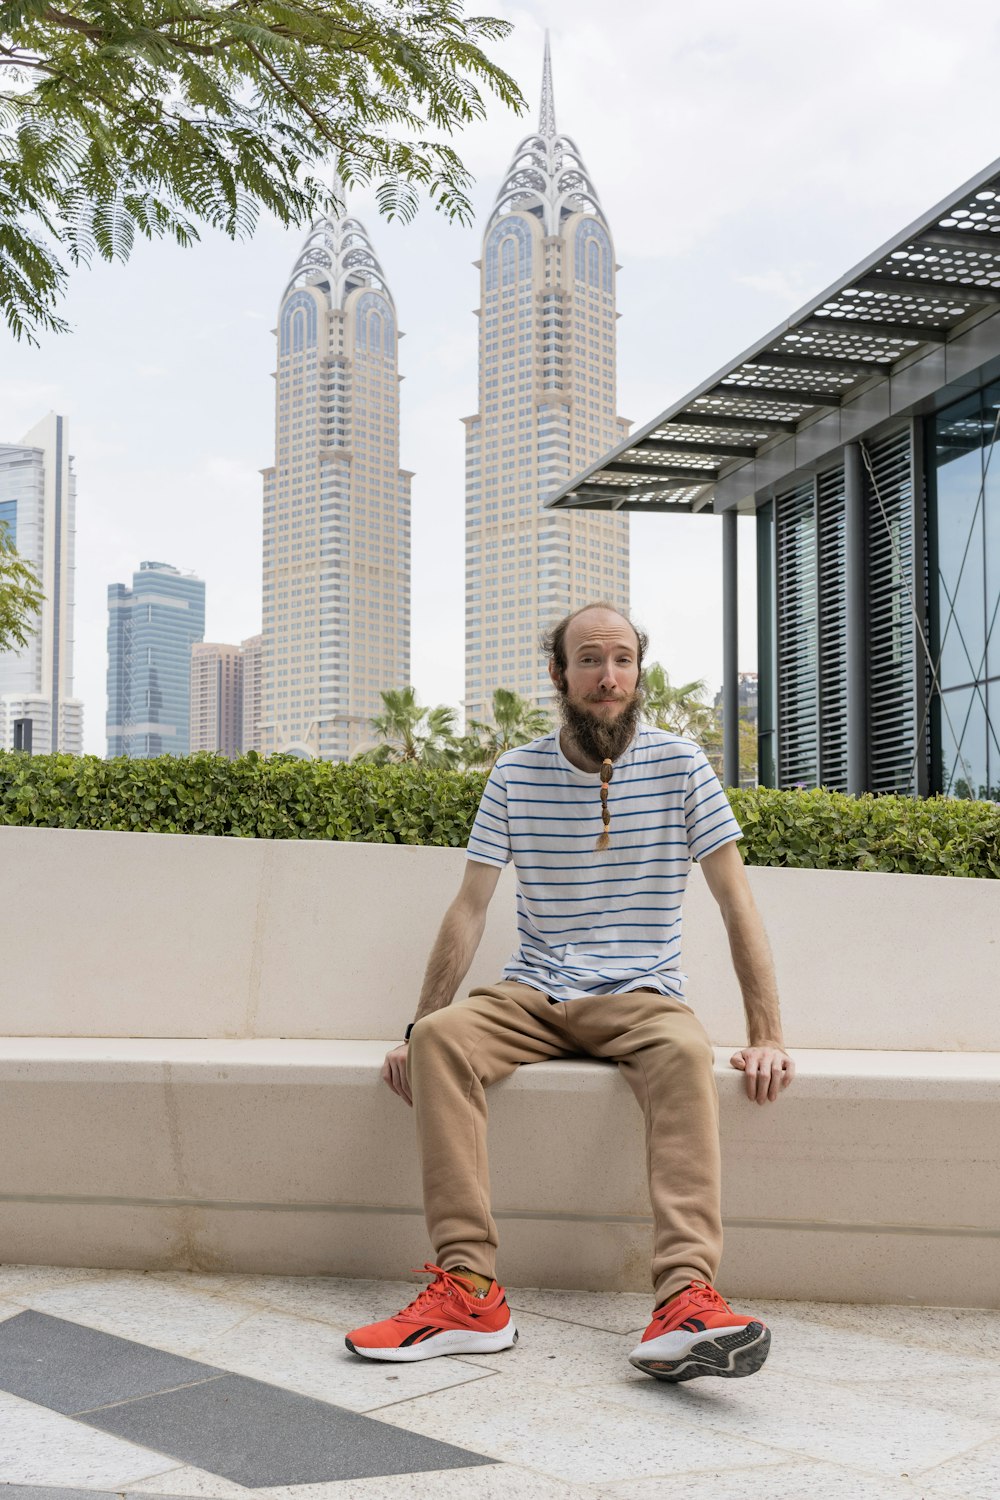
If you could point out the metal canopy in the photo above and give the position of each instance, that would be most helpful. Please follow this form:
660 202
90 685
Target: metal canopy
909 297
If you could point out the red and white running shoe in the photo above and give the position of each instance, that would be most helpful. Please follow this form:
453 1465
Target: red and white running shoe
446 1318
697 1333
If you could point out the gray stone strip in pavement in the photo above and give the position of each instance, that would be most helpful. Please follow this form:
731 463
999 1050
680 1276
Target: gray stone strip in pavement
241 1429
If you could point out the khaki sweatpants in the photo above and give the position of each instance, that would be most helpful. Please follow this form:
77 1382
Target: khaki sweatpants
664 1052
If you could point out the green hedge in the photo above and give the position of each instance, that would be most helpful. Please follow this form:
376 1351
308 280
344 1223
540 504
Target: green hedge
281 798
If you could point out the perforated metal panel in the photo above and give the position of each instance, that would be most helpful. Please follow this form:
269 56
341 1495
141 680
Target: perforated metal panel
832 581
911 296
891 633
797 653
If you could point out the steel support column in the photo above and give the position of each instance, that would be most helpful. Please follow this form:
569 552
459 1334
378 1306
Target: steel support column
854 602
730 655
921 683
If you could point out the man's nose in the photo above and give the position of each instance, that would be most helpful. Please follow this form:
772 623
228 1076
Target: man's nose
609 678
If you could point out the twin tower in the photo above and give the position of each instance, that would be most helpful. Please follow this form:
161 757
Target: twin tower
336 606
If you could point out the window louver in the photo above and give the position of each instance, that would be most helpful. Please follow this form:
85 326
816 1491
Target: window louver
795 545
832 630
889 567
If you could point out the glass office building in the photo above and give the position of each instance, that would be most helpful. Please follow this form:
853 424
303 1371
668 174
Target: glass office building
38 510
963 471
861 434
151 629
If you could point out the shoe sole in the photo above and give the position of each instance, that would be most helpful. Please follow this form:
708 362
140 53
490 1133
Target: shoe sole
729 1356
449 1341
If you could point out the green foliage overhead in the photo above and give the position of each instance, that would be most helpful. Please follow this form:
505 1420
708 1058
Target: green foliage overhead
414 804
20 595
127 117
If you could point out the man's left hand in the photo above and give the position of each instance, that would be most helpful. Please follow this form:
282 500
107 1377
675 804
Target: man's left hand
768 1069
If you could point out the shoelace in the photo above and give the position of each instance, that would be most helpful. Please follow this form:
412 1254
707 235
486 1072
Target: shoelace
701 1295
444 1285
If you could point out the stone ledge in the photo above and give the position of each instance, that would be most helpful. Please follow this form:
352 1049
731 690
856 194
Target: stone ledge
821 1073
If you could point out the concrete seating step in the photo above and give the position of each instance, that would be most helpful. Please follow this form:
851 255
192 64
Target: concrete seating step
874 1175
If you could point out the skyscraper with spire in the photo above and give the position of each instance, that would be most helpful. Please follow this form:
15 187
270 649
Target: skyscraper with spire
547 409
336 627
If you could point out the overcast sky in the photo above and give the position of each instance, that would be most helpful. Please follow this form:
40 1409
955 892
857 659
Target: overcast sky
746 156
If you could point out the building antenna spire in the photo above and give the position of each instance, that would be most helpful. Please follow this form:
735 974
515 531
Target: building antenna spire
547 120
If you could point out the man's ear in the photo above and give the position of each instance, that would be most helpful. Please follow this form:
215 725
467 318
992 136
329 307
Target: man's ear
555 674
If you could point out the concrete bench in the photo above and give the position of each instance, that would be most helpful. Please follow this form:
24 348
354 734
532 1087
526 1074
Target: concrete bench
193 1031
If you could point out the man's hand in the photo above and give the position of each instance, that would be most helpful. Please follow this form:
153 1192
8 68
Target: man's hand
394 1072
768 1069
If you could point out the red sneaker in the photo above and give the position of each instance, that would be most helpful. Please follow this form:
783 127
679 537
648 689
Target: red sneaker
697 1333
444 1319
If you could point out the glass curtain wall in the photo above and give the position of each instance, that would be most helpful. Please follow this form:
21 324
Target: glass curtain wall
964 484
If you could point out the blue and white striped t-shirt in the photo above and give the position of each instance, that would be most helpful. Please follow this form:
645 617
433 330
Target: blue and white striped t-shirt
601 922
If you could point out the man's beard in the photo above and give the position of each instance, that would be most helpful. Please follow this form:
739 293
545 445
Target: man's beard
596 738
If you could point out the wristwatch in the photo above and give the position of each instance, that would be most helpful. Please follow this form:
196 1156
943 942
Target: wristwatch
406 1033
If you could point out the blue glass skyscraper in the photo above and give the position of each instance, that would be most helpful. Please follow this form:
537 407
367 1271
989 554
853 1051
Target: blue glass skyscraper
151 628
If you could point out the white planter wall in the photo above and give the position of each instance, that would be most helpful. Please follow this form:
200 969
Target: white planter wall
120 934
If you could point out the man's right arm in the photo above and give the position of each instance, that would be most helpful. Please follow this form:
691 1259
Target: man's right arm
454 949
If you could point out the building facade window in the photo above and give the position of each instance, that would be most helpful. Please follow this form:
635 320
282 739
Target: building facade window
963 469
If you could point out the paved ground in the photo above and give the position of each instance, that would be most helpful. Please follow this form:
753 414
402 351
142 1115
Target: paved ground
187 1385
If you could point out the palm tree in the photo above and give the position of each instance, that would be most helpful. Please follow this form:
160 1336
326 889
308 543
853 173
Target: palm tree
679 710
515 722
408 732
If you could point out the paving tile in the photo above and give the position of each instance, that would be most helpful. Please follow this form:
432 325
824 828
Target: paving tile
160 1489
615 1312
190 1483
974 1475
70 1368
259 1435
51 1492
805 1419
578 1436
968 1394
21 1281
311 1358
490 1482
821 1351
970 1331
41 1447
560 1353
342 1302
800 1481
140 1307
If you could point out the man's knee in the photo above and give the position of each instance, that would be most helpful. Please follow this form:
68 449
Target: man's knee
688 1047
443 1030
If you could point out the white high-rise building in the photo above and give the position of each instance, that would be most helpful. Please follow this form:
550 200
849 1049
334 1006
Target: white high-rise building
38 505
336 615
216 716
251 653
547 409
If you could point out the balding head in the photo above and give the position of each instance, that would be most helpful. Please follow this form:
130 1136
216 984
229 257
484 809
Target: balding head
599 618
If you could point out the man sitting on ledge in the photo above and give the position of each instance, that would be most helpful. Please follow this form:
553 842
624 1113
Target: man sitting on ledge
602 819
